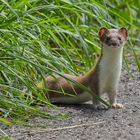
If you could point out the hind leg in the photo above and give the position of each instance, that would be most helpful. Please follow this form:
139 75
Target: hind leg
96 103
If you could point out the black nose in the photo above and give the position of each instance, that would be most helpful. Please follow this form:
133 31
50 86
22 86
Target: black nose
114 44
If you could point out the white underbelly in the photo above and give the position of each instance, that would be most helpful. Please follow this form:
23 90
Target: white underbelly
110 70
108 81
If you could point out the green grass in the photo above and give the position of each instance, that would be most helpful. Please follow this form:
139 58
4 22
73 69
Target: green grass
39 38
3 137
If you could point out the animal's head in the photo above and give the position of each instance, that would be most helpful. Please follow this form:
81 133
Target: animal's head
114 38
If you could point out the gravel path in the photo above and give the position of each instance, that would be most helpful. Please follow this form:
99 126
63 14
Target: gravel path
88 124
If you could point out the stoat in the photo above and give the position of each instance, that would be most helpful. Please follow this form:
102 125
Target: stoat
102 78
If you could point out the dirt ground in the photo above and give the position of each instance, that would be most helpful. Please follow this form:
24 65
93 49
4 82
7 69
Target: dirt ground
86 123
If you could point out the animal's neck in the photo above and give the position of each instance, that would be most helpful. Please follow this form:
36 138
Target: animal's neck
110 58
111 54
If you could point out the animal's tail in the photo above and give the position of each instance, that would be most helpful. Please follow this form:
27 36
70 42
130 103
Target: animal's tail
41 84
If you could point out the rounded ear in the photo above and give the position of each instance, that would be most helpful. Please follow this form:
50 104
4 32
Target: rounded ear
124 32
102 32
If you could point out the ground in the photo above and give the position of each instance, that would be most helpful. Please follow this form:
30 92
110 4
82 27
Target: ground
85 123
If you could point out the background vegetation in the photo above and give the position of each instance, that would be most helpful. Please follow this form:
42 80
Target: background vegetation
41 37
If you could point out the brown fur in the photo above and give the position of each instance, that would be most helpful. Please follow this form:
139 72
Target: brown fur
60 84
89 79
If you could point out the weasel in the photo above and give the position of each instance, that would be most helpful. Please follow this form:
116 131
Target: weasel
102 78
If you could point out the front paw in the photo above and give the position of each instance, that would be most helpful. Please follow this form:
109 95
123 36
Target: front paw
117 106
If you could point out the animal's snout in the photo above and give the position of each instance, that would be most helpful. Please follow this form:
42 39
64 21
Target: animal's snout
114 43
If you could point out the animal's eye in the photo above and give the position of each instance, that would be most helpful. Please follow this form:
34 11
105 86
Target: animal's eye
119 38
